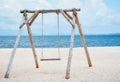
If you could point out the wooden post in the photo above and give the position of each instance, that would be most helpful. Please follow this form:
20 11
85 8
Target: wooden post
13 54
82 37
70 51
31 40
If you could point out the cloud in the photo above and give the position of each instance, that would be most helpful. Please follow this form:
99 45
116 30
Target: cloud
94 13
69 4
93 10
10 10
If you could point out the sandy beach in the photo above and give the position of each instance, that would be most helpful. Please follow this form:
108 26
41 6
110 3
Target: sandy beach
105 60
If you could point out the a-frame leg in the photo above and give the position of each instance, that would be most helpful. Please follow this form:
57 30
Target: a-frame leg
13 54
69 18
16 44
31 40
83 40
31 19
70 51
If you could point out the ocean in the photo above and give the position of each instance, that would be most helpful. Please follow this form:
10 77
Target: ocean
52 41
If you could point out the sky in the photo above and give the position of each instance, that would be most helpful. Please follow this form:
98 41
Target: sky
96 16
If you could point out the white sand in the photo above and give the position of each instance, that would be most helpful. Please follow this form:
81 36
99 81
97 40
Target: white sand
105 60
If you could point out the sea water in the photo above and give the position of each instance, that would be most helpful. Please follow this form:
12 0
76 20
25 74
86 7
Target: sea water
52 41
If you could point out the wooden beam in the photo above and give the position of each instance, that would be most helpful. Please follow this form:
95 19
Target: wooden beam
34 17
62 12
70 52
68 16
48 11
83 40
31 40
12 55
30 19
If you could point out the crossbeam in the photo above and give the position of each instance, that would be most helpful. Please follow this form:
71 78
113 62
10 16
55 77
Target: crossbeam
49 11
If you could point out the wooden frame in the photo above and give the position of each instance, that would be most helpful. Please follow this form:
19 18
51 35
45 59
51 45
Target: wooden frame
72 20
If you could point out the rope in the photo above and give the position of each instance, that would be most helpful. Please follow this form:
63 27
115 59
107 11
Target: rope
42 38
58 36
42 56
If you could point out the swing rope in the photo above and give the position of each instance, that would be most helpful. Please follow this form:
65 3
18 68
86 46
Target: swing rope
59 55
42 38
42 56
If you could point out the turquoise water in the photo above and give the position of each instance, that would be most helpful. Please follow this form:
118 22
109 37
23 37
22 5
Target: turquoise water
52 41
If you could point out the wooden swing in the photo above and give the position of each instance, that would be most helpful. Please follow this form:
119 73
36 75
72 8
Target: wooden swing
42 55
72 20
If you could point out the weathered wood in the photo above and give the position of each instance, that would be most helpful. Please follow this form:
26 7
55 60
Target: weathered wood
70 51
31 40
62 12
34 17
48 11
69 16
12 55
83 40
24 23
30 19
49 59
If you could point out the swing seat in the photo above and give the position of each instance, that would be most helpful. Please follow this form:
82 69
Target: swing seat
50 59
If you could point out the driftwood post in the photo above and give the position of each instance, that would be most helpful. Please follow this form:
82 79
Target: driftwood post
13 54
31 19
82 37
67 16
70 55
31 40
70 51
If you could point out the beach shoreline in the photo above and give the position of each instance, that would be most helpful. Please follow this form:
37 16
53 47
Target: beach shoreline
105 60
